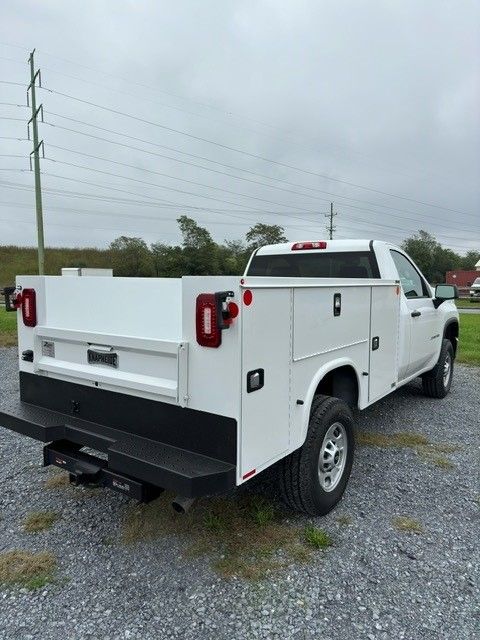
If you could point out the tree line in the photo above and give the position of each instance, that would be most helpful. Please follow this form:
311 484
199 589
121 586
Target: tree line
200 255
197 255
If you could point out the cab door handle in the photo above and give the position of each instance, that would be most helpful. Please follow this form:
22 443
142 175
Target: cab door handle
415 314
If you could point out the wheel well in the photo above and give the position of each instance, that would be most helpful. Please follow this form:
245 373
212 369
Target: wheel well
451 333
341 383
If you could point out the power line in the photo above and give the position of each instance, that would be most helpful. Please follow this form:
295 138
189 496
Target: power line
246 153
235 168
155 202
64 210
171 177
17 84
227 114
115 162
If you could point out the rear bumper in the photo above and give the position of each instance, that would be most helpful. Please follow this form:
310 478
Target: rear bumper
159 448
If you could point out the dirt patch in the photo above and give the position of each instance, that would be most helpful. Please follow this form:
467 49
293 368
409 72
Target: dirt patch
245 536
40 521
58 480
431 452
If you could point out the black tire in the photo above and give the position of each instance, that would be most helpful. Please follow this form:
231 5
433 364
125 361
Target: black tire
433 382
299 472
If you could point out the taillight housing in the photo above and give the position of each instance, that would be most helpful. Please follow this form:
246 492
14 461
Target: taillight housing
29 307
302 246
208 332
213 314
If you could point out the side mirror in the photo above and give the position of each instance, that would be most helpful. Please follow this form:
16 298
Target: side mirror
444 292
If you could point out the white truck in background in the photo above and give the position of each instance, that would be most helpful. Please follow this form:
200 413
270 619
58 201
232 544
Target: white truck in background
197 384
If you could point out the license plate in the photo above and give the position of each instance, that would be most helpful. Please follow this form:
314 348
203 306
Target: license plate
100 357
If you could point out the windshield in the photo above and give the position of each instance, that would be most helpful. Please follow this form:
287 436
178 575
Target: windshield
345 264
476 281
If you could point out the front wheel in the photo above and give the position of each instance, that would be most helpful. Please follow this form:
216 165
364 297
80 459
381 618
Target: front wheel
437 382
313 478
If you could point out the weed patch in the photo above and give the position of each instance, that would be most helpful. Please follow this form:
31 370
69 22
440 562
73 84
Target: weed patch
246 537
30 570
57 481
428 451
317 538
40 521
404 523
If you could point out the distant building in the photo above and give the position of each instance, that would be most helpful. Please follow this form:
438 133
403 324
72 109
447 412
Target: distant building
463 278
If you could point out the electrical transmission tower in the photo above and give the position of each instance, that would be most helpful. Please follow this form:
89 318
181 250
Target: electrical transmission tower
330 226
32 101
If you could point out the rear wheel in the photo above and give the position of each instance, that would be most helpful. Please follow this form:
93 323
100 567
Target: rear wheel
437 382
314 477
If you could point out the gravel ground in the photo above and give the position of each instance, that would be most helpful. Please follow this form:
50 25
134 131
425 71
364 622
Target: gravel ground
374 582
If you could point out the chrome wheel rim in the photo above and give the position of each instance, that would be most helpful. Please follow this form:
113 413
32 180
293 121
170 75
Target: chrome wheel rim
447 370
333 455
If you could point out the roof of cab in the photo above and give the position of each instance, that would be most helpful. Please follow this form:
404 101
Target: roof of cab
332 245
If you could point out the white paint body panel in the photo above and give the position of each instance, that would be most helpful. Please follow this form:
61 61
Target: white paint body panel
289 331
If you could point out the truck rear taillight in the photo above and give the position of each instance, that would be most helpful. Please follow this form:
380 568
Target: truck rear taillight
302 246
29 307
213 314
208 332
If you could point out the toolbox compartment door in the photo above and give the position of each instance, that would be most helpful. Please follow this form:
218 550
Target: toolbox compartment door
143 366
384 334
266 350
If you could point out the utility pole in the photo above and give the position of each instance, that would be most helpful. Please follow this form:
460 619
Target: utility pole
330 227
36 159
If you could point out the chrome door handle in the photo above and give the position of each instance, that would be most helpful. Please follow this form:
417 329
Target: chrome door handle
415 314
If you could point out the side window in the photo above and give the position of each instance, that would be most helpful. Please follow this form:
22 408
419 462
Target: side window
412 283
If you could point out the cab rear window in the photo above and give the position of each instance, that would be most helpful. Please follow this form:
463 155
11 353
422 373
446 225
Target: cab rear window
354 264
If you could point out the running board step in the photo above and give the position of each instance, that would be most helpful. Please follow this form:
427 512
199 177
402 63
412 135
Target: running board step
85 469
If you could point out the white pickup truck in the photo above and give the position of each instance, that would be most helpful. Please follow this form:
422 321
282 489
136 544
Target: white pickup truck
197 384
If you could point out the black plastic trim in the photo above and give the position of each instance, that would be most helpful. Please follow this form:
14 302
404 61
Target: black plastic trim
205 433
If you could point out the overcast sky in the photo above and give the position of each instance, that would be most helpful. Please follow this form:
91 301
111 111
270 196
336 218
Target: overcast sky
371 104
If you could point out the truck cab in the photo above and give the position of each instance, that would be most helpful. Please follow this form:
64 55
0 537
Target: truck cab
423 323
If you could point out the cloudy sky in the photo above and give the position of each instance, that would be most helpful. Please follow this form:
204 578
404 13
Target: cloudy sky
235 112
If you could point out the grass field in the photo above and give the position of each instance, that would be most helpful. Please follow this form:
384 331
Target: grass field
8 328
469 351
16 261
466 303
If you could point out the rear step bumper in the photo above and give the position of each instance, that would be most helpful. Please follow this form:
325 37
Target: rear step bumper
142 465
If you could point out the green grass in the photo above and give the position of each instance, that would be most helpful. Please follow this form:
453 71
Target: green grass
23 261
26 569
465 303
469 346
317 538
8 328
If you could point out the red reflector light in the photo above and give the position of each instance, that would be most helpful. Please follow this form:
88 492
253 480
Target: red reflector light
247 297
249 474
232 310
208 332
302 246
29 307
